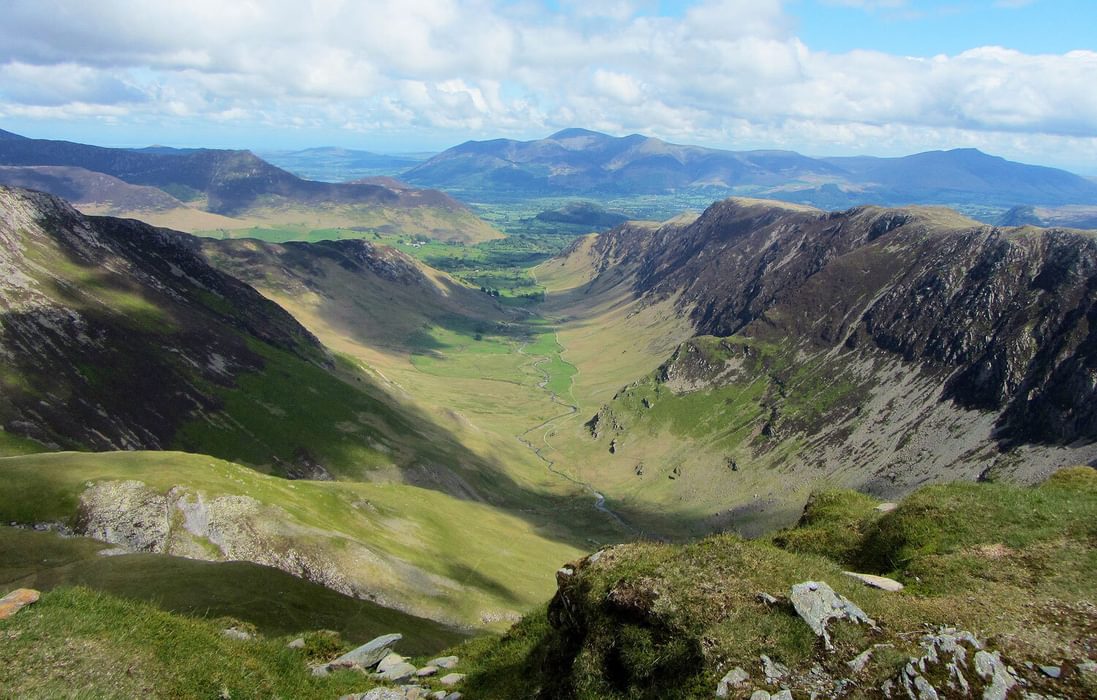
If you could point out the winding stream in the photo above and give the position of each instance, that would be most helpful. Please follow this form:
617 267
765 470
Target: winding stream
572 409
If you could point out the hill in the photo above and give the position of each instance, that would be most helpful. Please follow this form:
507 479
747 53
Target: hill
240 185
577 161
993 606
763 349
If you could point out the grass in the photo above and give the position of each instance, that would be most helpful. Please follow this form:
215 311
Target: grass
292 408
78 643
273 602
398 542
653 620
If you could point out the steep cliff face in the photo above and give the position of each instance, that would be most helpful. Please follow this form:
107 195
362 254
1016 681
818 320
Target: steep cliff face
113 333
1003 317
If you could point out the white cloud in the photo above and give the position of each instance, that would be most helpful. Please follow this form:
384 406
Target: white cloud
728 72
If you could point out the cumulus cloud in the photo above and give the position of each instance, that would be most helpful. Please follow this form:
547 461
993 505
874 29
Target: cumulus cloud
722 72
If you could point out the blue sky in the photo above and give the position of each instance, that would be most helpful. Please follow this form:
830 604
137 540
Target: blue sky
824 77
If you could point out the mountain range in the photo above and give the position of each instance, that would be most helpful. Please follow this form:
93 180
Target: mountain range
575 161
238 187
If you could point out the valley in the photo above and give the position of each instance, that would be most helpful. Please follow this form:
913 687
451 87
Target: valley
398 425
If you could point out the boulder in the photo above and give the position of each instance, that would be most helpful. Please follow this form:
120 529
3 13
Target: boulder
990 668
882 582
17 600
426 671
369 653
735 678
452 679
818 604
389 661
236 633
298 643
397 672
443 662
886 507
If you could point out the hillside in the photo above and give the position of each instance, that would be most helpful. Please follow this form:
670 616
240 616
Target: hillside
577 161
242 186
993 606
765 349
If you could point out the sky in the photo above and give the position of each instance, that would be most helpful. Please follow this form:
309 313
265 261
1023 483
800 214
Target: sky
1016 78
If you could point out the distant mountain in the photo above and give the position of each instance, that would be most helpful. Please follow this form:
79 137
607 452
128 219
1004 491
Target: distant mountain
967 174
340 164
1071 216
240 184
81 186
579 161
583 214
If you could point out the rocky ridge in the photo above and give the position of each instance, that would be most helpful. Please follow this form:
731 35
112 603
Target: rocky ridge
109 328
926 344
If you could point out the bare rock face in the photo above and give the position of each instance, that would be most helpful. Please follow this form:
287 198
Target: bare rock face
818 604
190 524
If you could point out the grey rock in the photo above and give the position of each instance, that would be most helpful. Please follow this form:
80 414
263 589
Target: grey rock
925 690
452 679
382 694
234 633
882 582
1088 666
785 694
321 670
760 695
887 507
426 671
397 672
773 670
766 598
438 695
454 696
858 663
1051 671
414 692
818 604
990 668
298 643
390 660
735 678
443 662
369 653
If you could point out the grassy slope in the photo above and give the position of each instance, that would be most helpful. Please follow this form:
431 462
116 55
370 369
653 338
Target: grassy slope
1021 576
75 643
274 602
279 224
488 570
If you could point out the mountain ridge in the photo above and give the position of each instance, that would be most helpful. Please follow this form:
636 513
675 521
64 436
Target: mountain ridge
574 161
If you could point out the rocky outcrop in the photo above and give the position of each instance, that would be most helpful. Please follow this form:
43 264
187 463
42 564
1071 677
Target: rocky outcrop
1004 314
183 522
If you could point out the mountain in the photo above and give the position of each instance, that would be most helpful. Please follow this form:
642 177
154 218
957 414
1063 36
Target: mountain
967 175
583 214
577 161
241 185
1071 216
340 164
875 348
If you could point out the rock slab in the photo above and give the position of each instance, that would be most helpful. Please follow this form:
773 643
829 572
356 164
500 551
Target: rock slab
882 582
818 604
17 600
370 653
